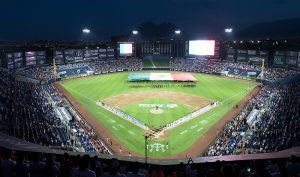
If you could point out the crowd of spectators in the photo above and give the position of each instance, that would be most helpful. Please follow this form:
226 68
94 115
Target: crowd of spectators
279 126
27 111
105 66
276 129
45 73
212 66
278 73
48 165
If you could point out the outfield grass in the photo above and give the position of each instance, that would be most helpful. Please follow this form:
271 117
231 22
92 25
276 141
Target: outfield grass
155 120
89 90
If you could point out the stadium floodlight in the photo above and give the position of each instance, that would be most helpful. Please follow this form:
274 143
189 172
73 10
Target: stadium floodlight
135 32
228 30
177 31
86 30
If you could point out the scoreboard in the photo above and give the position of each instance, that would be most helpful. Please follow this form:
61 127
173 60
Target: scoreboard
102 53
299 59
291 58
41 57
18 59
257 56
69 55
241 55
90 54
35 58
253 56
203 48
125 49
10 60
58 56
286 58
78 55
30 58
231 55
110 52
14 60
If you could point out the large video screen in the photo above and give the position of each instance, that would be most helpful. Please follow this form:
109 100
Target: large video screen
69 55
30 58
40 57
10 60
78 55
202 47
110 52
58 56
102 53
126 49
18 60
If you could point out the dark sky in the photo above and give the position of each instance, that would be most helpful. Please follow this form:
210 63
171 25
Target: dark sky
64 19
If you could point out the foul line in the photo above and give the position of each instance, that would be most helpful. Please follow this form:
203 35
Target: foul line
81 94
235 95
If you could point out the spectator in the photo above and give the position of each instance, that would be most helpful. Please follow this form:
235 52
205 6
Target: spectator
51 169
83 170
7 165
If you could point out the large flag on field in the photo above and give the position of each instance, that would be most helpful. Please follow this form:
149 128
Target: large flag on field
181 77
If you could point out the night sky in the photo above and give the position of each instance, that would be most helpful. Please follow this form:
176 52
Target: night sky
64 19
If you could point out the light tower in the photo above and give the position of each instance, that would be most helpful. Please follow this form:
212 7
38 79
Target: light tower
86 31
135 32
177 33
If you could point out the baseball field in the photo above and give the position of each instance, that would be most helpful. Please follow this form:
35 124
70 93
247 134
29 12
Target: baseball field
156 107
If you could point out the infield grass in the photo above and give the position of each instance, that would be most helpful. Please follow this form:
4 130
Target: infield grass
91 89
155 120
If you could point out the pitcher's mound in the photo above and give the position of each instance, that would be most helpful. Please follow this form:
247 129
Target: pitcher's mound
156 111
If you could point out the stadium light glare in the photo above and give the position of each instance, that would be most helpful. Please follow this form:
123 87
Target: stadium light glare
135 32
177 31
86 30
228 30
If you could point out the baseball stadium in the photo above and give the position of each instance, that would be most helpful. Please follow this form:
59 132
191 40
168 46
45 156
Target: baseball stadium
165 108
165 103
